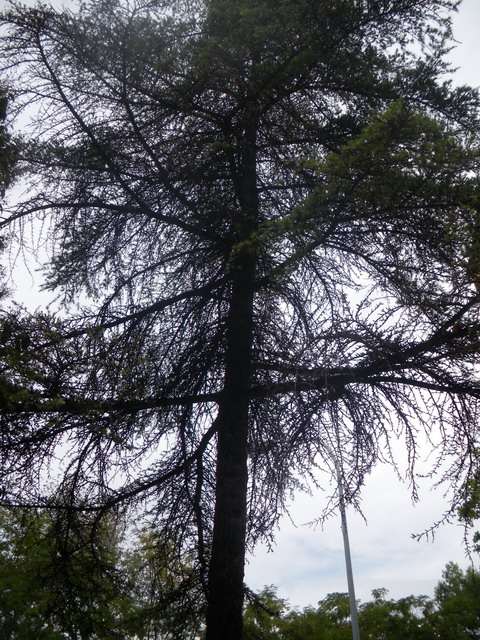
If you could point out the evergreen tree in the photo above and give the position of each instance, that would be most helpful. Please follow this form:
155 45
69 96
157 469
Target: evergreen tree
271 210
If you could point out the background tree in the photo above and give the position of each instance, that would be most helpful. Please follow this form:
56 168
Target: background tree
469 511
56 582
409 617
263 615
270 209
167 601
458 596
117 584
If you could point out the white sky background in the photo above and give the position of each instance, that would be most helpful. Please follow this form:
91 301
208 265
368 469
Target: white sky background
307 563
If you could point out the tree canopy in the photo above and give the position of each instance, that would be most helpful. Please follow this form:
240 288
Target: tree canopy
262 220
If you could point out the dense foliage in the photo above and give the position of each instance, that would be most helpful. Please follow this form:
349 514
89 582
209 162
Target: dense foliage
269 212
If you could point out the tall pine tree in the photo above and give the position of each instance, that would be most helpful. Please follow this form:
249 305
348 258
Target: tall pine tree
269 211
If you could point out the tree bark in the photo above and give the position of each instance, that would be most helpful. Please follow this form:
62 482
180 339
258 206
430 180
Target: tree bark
226 570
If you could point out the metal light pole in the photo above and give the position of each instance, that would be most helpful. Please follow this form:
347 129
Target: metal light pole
346 546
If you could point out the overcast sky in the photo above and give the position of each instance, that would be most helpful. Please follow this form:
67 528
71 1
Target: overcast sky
307 564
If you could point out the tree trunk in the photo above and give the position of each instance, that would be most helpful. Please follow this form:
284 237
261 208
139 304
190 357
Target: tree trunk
225 584
226 570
